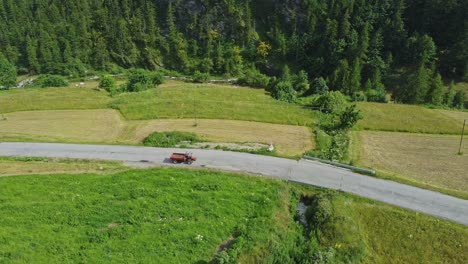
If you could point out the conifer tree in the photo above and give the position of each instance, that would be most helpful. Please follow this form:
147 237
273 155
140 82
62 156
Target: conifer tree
436 92
449 96
7 73
355 78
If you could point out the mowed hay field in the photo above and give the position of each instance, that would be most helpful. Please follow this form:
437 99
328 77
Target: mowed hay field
107 126
410 118
289 140
429 159
209 101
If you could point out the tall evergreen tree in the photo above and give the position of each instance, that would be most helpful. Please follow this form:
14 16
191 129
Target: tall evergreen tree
436 93
7 73
355 78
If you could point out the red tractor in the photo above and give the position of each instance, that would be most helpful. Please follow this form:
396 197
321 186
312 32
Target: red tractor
183 157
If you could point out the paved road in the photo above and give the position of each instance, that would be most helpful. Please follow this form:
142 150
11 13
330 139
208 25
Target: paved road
306 172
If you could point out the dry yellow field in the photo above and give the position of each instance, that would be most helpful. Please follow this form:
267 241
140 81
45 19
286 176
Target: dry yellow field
107 126
429 159
289 140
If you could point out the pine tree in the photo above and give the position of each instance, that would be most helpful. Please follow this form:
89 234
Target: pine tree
31 53
7 73
459 100
355 78
449 96
436 92
419 86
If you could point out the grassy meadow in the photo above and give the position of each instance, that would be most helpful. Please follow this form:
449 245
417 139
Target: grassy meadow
186 216
421 158
398 236
172 100
209 101
53 99
410 118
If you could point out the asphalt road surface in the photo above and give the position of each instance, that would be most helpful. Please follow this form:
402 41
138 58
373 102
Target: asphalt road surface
305 172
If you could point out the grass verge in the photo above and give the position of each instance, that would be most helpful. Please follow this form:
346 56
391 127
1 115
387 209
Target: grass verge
10 166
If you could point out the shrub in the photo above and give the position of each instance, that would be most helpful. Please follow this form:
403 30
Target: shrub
283 91
253 78
376 95
349 117
49 80
169 139
140 80
108 83
332 102
319 86
301 82
199 77
206 65
359 97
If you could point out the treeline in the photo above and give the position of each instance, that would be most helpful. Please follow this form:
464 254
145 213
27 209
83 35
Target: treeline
356 46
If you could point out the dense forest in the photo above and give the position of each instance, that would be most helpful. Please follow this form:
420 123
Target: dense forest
407 47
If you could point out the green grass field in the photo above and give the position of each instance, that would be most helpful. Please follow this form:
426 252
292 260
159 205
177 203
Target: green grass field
158 216
52 99
184 216
410 118
173 100
398 236
186 100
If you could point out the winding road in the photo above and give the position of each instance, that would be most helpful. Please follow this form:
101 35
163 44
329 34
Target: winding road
305 172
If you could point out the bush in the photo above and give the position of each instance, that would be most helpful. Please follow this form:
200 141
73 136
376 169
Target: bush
283 91
199 77
206 65
253 78
349 117
108 83
301 82
319 86
140 80
332 102
49 80
169 139
376 95
359 97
